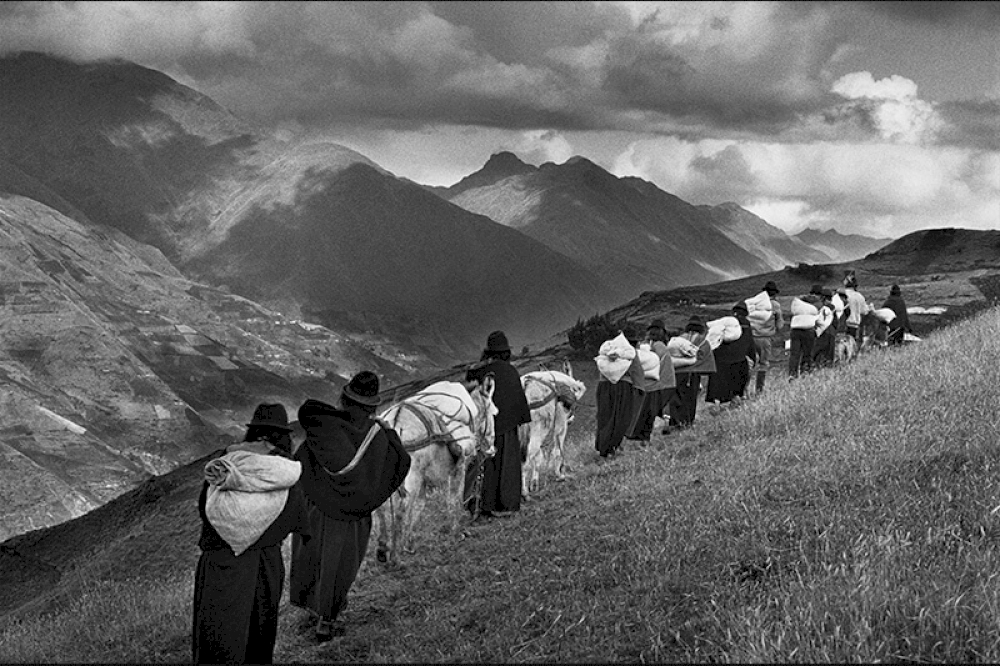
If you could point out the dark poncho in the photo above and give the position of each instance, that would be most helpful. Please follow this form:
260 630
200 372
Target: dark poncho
333 436
509 398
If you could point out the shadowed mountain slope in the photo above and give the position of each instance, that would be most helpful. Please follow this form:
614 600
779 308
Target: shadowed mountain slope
113 366
633 234
303 226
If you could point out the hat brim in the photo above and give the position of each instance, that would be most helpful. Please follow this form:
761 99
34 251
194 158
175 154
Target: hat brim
371 401
275 426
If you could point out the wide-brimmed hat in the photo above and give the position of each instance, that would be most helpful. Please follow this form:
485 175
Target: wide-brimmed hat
363 388
270 416
497 342
695 325
742 307
771 287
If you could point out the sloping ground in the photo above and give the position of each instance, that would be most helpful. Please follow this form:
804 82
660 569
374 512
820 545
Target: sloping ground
838 519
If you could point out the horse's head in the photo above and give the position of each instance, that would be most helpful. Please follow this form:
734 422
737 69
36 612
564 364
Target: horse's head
483 424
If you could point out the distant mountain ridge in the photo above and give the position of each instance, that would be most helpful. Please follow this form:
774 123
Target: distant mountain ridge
841 247
633 234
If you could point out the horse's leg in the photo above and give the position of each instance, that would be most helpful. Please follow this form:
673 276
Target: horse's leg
382 551
526 435
408 509
559 454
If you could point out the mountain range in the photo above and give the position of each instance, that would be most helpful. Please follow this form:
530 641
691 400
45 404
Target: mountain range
167 265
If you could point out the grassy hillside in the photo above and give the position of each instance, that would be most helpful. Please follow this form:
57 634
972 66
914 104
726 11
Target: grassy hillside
847 517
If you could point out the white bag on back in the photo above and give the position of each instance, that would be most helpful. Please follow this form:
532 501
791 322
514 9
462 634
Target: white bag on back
614 358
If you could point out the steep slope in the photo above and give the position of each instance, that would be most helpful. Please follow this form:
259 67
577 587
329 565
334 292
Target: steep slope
840 247
770 243
113 366
630 232
955 270
303 226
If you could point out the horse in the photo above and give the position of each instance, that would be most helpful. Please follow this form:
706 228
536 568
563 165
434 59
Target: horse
552 395
441 427
874 333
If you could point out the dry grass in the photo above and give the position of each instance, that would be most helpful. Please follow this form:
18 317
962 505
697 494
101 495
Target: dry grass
845 517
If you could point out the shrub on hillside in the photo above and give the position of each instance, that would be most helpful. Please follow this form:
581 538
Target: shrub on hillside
585 337
820 274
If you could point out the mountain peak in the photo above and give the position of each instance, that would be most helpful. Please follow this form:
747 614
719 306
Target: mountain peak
505 162
500 165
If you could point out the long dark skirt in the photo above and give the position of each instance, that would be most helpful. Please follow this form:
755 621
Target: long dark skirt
685 404
800 351
502 475
236 606
729 381
822 352
653 404
617 412
324 567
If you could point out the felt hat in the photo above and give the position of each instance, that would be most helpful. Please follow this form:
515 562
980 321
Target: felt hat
826 293
742 307
656 323
771 288
270 416
363 388
695 325
497 342
817 289
894 291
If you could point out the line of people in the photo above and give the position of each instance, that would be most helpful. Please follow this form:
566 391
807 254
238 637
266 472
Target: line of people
726 351
323 493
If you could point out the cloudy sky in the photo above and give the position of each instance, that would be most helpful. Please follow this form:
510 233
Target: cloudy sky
877 118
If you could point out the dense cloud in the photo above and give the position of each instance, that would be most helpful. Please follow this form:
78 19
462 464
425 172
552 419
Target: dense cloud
392 78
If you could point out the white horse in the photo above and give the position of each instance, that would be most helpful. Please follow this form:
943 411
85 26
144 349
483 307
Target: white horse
552 395
441 427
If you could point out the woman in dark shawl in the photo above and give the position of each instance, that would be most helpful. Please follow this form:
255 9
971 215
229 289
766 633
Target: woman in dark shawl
501 482
619 403
236 595
351 463
685 405
732 361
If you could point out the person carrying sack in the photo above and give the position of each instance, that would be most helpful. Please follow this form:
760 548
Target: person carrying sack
351 464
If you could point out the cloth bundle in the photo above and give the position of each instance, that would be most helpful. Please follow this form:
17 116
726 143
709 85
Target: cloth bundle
885 315
246 493
724 329
614 358
650 362
682 352
804 315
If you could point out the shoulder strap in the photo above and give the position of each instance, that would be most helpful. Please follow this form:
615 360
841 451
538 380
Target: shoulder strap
359 454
